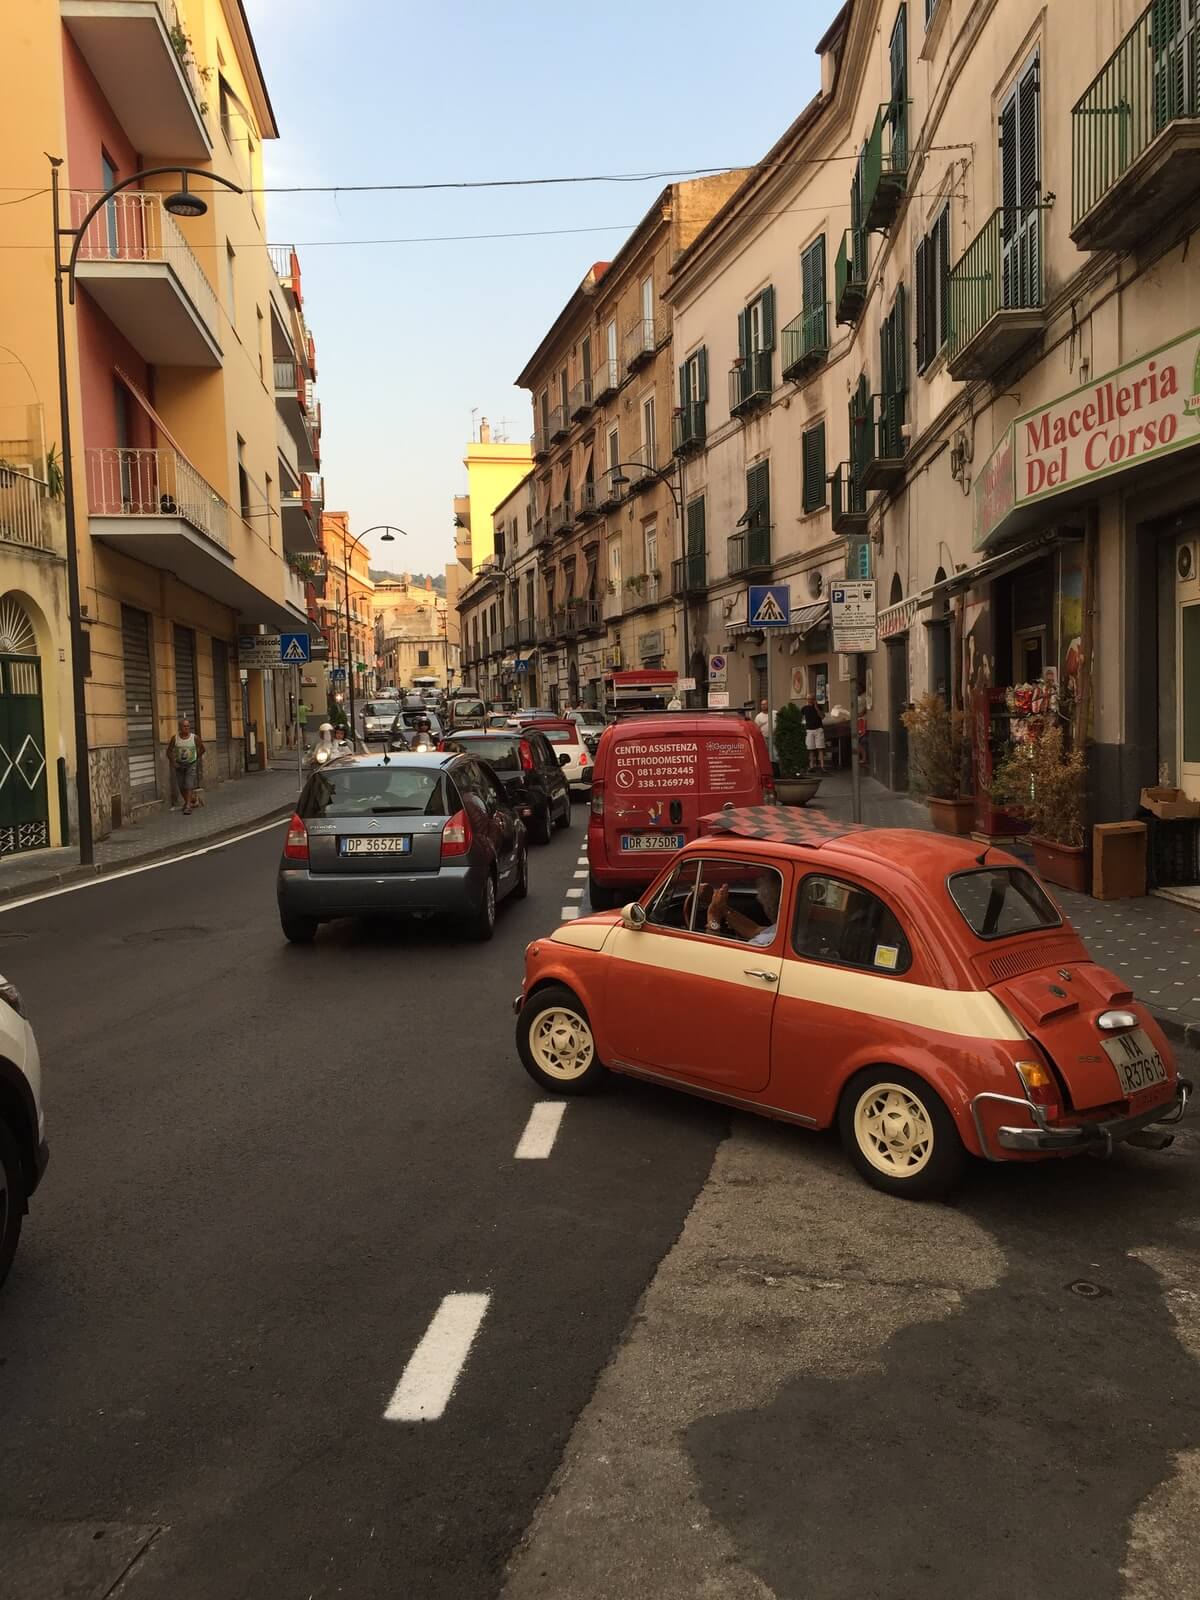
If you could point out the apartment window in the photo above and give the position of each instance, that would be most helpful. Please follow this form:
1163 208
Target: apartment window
614 564
585 361
262 369
243 478
562 389
544 408
930 7
1020 190
648 452
648 309
651 538
231 283
610 340
898 106
422 658
756 325
812 463
812 288
933 289
893 348
108 177
614 448
226 101
270 517
693 378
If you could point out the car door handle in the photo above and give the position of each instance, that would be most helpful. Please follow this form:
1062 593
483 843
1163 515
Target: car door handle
761 972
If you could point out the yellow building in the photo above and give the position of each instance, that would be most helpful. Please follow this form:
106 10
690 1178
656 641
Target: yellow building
349 618
411 637
183 454
493 472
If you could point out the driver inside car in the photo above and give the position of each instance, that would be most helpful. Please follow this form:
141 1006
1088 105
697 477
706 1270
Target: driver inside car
725 919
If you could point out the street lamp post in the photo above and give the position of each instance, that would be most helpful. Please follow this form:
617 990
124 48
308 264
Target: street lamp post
664 475
388 530
183 203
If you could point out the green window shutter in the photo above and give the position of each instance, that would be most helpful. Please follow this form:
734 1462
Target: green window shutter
817 252
900 341
768 317
701 359
1008 160
695 527
758 495
744 333
940 275
685 395
924 305
813 462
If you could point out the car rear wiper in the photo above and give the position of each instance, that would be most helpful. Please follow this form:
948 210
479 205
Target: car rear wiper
394 811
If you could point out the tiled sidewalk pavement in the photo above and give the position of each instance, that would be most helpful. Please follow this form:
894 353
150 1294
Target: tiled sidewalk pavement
237 804
1153 944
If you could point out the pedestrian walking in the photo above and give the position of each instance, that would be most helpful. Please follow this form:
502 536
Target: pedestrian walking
764 721
184 752
814 731
302 715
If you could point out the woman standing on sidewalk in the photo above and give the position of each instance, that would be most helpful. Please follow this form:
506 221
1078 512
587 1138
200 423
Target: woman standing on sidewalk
184 752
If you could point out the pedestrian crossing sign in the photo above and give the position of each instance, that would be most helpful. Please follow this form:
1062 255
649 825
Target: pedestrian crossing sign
770 605
293 648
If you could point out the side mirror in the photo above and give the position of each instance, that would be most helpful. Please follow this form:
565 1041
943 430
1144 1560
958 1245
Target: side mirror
633 916
564 760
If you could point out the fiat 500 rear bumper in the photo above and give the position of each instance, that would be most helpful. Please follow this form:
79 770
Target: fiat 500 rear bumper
1049 1137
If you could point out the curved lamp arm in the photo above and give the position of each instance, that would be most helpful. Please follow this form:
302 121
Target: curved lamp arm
127 183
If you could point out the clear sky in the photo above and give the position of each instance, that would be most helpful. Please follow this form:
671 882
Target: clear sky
412 337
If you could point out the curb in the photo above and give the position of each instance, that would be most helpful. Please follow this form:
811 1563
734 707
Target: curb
1185 1033
69 875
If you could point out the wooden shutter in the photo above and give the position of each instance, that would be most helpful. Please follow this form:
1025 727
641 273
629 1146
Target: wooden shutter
744 333
1167 48
695 527
925 310
939 264
899 321
1008 160
758 495
685 395
768 318
813 463
899 56
701 360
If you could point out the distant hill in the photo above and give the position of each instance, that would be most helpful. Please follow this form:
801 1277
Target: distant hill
417 579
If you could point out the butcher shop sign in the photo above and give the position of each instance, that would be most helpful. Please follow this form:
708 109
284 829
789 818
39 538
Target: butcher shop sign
1147 409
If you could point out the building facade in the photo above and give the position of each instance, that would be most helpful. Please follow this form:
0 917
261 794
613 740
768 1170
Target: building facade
171 347
946 337
497 607
348 613
411 637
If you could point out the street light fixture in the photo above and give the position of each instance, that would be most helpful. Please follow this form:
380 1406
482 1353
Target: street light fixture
183 203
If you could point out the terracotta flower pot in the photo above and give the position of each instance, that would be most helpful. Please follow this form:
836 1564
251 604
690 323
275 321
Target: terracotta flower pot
796 791
951 816
1063 864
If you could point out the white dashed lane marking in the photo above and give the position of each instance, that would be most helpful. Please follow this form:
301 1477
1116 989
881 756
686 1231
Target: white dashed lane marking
568 912
574 894
582 874
541 1130
436 1364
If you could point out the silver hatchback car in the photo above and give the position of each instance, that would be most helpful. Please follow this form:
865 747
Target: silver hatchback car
379 835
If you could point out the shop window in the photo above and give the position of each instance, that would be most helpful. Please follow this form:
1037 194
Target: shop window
847 926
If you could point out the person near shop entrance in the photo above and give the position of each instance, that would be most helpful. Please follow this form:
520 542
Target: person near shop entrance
184 752
764 721
814 731
302 714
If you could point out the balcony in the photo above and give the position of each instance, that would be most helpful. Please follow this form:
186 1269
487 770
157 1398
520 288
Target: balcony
642 338
750 382
139 269
610 490
26 511
884 167
526 632
581 616
606 380
292 401
884 460
539 443
688 432
509 636
643 589
749 551
540 534
150 80
301 531
562 517
286 265
580 400
997 294
641 469
847 502
552 626
588 501
805 343
560 424
689 574
850 276
1135 136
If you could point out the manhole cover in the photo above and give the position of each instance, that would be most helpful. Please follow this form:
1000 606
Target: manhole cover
1087 1290
165 935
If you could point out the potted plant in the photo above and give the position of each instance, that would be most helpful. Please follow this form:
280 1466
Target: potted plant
935 762
1042 779
793 787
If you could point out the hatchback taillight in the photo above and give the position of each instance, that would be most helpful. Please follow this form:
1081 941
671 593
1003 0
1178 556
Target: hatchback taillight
295 846
525 756
456 835
583 758
1040 1087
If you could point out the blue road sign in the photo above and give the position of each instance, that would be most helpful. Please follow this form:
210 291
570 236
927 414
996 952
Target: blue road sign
294 648
521 666
337 674
770 605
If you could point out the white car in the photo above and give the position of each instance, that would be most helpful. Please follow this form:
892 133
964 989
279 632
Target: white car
23 1148
567 740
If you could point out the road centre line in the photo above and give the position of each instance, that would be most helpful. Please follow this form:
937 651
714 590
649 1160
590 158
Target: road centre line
568 912
435 1366
146 866
582 874
537 1141
574 894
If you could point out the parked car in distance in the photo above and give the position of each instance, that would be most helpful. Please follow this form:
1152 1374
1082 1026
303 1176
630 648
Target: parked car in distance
528 766
655 777
23 1148
574 756
928 999
466 711
591 722
383 835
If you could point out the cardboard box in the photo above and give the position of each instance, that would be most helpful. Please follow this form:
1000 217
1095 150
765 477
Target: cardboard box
1170 804
1118 860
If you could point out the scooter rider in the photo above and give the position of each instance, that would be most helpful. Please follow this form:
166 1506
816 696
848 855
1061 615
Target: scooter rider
422 738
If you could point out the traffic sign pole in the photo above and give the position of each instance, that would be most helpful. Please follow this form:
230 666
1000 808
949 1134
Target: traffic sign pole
855 776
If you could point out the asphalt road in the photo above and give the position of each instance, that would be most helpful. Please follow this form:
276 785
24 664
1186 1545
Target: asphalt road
270 1165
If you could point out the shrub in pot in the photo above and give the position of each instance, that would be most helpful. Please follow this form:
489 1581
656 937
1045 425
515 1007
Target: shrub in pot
793 787
936 750
1043 780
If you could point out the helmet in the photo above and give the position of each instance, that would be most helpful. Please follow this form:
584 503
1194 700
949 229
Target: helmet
326 727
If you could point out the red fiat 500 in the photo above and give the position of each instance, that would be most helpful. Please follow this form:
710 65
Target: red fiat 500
926 995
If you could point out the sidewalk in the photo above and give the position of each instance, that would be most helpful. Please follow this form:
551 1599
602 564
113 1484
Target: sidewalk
1152 943
237 804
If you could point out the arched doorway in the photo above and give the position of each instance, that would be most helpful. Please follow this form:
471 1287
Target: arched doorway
897 678
24 791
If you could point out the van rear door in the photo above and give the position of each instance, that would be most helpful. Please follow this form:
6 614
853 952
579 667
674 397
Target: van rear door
651 804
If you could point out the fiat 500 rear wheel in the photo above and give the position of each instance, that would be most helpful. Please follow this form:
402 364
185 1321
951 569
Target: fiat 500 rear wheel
554 1039
899 1134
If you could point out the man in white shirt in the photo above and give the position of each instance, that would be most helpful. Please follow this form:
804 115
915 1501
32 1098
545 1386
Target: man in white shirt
722 918
765 723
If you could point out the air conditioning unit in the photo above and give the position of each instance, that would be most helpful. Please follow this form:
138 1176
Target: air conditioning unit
1187 559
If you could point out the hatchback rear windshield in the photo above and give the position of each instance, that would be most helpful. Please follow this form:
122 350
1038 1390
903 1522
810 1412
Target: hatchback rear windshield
561 735
998 901
502 753
393 791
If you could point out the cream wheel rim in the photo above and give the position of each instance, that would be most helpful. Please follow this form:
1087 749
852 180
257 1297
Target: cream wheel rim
894 1130
560 1042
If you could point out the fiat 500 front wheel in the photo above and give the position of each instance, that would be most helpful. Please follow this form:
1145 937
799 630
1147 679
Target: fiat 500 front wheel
899 1134
554 1039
